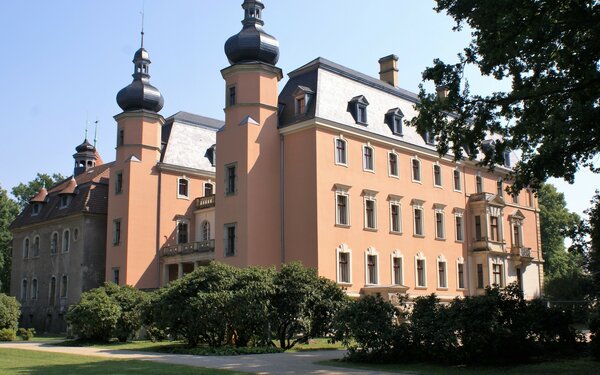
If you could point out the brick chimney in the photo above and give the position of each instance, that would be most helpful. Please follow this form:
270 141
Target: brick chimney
388 69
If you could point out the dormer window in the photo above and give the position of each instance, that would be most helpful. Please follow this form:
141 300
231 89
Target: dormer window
210 154
393 119
64 201
358 108
506 159
302 98
35 209
429 138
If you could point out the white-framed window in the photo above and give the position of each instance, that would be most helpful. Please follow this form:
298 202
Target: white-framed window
459 224
368 158
397 262
498 274
370 204
440 225
341 151
35 209
116 232
230 239
500 187
361 113
456 178
415 164
183 187
437 175
393 164
35 249
371 266
495 228
478 184
420 270
65 199
515 198
64 284
460 273
66 241
342 205
395 216
183 231
343 256
442 269
530 200
358 109
393 118
209 189
26 246
34 288
417 208
54 243
24 286
205 227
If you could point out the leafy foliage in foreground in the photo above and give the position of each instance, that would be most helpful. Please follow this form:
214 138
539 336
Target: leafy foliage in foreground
10 311
498 327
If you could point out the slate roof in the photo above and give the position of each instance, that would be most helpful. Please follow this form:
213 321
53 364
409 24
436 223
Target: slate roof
90 196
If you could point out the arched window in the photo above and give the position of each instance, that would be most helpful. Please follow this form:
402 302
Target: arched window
24 290
205 230
26 248
52 292
54 243
66 241
63 286
183 188
34 289
36 246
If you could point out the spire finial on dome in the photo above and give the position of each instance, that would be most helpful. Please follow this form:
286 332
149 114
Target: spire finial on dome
142 13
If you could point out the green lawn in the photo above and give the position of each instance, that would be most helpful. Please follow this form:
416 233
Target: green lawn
19 362
562 367
317 344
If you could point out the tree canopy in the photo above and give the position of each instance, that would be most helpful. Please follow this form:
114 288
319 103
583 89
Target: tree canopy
8 211
25 191
550 52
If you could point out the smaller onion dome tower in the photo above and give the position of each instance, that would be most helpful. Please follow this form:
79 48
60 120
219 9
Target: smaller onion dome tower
85 157
252 43
140 94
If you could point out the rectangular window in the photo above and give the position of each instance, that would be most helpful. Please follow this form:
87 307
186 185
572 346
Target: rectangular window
478 184
520 279
370 222
397 270
116 276
119 182
416 170
116 232
480 276
437 175
517 235
397 125
63 286
442 280
372 269
340 151
34 289
421 273
439 225
395 218
121 137
300 105
208 189
54 243
498 275
461 275
182 232
478 233
232 98
52 293
342 210
66 241
393 164
457 184
459 228
344 267
231 177
494 230
230 240
183 188
515 198
499 187
24 287
367 158
361 114
418 212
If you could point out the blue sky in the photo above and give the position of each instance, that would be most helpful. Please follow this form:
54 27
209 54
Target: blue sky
63 63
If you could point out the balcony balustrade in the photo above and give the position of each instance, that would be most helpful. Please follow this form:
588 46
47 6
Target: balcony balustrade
188 248
205 202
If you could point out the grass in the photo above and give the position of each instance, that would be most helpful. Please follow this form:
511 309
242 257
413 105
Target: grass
18 362
317 344
562 367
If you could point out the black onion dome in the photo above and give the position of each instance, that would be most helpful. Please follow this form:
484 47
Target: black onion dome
252 43
85 147
140 94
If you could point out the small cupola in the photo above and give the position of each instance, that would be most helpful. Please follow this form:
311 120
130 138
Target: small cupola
252 43
85 157
140 94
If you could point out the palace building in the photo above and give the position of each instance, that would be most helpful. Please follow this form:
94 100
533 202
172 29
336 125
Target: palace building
322 171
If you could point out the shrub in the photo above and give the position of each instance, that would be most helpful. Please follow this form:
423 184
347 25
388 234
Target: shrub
155 334
7 334
131 302
10 311
26 334
95 317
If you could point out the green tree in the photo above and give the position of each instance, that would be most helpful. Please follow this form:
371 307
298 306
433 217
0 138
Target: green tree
549 50
10 311
131 301
25 191
8 211
95 317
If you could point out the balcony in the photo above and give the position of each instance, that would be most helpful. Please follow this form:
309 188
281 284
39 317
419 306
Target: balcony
521 255
205 202
188 248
